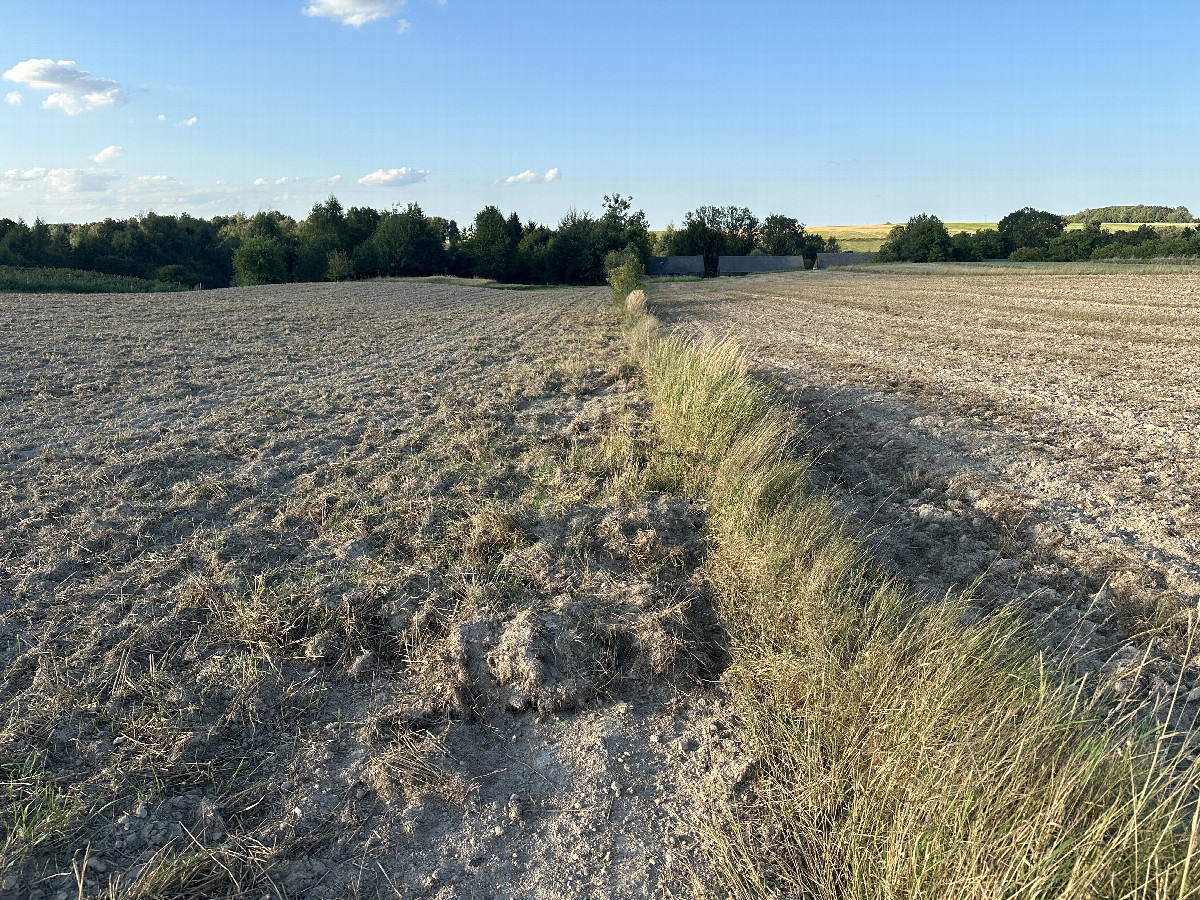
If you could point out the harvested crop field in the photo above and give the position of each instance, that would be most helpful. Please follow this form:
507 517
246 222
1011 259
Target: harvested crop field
1037 433
344 591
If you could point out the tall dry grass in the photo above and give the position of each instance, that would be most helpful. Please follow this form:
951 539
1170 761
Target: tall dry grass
895 749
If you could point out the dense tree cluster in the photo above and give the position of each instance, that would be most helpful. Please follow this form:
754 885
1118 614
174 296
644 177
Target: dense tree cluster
334 243
1148 214
716 231
1031 235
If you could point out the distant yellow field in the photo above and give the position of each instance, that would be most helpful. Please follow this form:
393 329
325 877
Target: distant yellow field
869 238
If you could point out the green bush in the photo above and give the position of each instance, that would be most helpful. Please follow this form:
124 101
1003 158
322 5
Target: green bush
625 272
259 260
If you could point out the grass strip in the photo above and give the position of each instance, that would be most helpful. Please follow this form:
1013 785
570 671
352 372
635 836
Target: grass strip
48 280
895 749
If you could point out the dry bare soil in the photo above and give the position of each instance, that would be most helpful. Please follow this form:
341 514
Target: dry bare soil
1035 433
339 591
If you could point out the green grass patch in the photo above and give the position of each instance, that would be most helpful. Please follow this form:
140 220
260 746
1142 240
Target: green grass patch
78 281
894 747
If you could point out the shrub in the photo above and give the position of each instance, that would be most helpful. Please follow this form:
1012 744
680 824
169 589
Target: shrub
625 272
340 267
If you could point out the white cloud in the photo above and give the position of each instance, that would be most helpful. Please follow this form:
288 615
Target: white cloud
283 180
13 98
161 117
259 182
354 12
335 179
187 123
403 26
157 179
69 181
73 91
108 154
16 176
394 177
531 177
63 181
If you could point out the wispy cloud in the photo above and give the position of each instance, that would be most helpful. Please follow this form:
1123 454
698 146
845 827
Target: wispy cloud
13 98
531 177
63 181
354 12
403 26
186 123
73 90
394 177
108 154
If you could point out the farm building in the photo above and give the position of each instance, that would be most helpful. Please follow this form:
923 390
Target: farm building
660 266
749 265
833 260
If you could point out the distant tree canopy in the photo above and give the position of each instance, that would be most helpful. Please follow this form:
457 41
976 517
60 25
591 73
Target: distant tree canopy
1030 227
1031 235
923 239
1140 213
716 231
335 243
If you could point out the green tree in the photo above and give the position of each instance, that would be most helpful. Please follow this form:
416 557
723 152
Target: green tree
491 246
1029 227
259 260
322 233
407 243
781 236
923 239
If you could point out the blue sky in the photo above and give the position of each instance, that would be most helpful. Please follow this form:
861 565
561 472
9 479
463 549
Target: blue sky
833 113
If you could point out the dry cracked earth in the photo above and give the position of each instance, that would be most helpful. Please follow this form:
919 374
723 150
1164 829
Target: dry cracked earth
344 591
1031 438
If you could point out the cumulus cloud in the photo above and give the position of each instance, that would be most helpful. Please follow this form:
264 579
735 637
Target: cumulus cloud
259 182
17 176
157 179
403 26
161 117
394 177
531 177
335 179
13 98
108 154
73 90
354 12
187 123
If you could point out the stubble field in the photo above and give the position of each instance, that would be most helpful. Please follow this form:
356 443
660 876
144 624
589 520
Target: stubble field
1030 437
338 591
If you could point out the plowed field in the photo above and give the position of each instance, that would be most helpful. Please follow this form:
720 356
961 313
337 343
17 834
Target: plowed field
339 591
1039 432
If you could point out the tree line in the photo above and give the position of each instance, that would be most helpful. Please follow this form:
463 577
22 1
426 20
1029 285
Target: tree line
1138 213
335 243
1033 235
